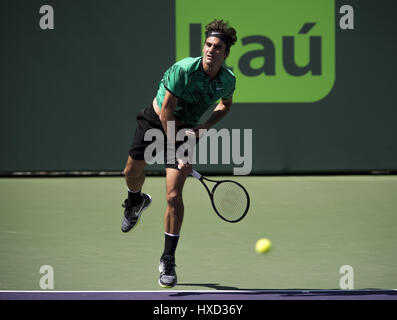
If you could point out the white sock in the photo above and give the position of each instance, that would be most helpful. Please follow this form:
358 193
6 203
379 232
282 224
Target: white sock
171 235
133 191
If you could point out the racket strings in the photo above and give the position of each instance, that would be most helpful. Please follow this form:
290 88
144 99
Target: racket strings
230 200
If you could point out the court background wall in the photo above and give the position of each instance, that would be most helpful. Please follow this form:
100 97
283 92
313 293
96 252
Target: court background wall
69 96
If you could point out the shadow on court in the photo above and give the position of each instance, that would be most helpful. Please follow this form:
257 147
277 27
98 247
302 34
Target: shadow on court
371 293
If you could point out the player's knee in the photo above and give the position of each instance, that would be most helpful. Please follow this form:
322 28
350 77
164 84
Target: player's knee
174 199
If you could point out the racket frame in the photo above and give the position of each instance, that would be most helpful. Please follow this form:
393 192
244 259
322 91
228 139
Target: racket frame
201 178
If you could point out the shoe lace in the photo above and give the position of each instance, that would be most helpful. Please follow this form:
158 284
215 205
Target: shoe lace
125 205
169 265
129 215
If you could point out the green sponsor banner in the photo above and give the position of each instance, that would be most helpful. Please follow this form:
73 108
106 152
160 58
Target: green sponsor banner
285 50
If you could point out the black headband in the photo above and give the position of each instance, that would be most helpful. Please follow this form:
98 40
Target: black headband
224 38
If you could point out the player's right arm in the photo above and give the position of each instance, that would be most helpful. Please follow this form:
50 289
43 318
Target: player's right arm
167 109
174 82
167 115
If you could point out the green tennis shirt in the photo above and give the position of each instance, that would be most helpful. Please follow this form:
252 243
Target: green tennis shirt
187 80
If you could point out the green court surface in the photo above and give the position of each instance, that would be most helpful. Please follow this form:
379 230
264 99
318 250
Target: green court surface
317 225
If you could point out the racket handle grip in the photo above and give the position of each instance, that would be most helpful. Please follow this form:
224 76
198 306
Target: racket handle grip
196 174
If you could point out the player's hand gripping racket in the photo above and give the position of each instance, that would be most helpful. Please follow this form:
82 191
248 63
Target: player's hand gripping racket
229 198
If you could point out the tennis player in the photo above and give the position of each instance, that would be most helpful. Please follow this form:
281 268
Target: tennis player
187 89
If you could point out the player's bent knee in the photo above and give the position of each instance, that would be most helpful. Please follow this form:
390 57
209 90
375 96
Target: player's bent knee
174 199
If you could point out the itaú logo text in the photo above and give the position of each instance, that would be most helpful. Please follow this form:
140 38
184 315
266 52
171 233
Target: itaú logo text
285 50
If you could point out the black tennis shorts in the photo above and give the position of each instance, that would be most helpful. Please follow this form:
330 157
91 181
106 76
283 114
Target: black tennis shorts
148 119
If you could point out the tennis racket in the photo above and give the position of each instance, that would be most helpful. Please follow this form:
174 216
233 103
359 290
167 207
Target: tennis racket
229 198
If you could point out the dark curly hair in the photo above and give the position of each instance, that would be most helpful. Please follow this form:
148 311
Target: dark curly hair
222 27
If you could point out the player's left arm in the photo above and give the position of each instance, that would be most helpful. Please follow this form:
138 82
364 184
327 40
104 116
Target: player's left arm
217 115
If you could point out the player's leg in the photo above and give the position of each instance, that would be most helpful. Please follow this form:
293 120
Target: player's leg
173 218
136 201
134 177
134 173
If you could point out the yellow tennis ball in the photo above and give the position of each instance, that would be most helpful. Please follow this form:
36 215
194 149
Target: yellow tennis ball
263 245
